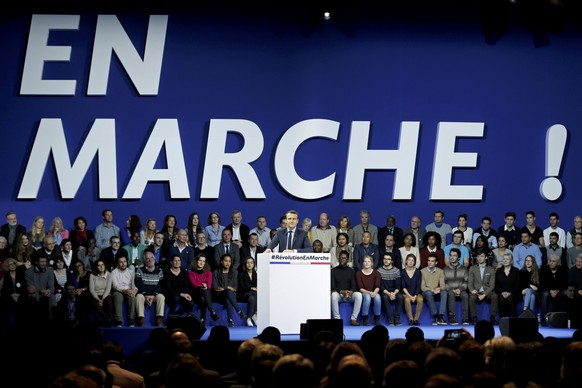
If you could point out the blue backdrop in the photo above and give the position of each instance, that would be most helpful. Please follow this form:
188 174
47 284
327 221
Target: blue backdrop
276 70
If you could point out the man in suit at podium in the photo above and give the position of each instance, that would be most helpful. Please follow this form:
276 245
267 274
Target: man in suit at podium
290 239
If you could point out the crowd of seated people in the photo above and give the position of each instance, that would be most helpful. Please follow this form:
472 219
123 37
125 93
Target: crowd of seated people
385 267
172 359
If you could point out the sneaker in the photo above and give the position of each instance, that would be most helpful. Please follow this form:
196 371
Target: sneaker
416 323
397 322
159 321
453 320
354 322
435 321
249 322
241 315
230 323
140 321
411 322
214 316
119 324
390 322
131 323
475 320
465 321
441 321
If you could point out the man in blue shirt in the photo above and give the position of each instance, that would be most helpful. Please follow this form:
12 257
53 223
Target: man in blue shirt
526 248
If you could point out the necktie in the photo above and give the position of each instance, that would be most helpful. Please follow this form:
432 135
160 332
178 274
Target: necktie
226 248
289 239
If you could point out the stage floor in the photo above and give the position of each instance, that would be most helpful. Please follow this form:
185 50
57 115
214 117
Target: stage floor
135 339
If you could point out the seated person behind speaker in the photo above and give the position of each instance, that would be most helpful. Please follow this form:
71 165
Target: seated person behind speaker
224 287
344 289
123 290
572 305
481 287
456 280
553 284
433 287
368 282
507 287
247 289
148 280
391 284
366 248
411 280
529 283
432 244
177 288
458 242
201 280
342 244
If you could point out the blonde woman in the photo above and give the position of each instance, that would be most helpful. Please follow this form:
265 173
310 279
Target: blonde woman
529 282
37 232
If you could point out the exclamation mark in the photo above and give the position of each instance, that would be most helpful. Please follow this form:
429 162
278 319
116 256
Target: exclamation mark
551 187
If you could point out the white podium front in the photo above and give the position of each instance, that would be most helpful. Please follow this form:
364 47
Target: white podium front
292 287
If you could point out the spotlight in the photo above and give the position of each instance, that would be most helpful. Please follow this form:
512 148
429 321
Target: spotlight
326 16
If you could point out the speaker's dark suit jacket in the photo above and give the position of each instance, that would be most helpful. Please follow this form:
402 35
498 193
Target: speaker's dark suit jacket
300 243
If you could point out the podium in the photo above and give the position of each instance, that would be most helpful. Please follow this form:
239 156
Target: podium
292 288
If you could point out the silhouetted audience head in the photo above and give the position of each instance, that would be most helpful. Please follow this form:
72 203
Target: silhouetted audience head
270 335
498 357
443 380
484 331
96 374
113 351
185 371
180 342
414 334
403 373
73 380
342 350
264 358
219 335
419 351
395 350
293 371
443 361
245 358
571 371
472 362
353 371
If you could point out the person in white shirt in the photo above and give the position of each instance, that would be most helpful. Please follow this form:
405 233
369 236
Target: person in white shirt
123 290
554 219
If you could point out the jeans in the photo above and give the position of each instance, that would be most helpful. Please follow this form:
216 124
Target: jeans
356 299
529 299
228 299
429 298
397 305
367 299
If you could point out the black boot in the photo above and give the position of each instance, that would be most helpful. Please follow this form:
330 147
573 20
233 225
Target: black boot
376 319
365 320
